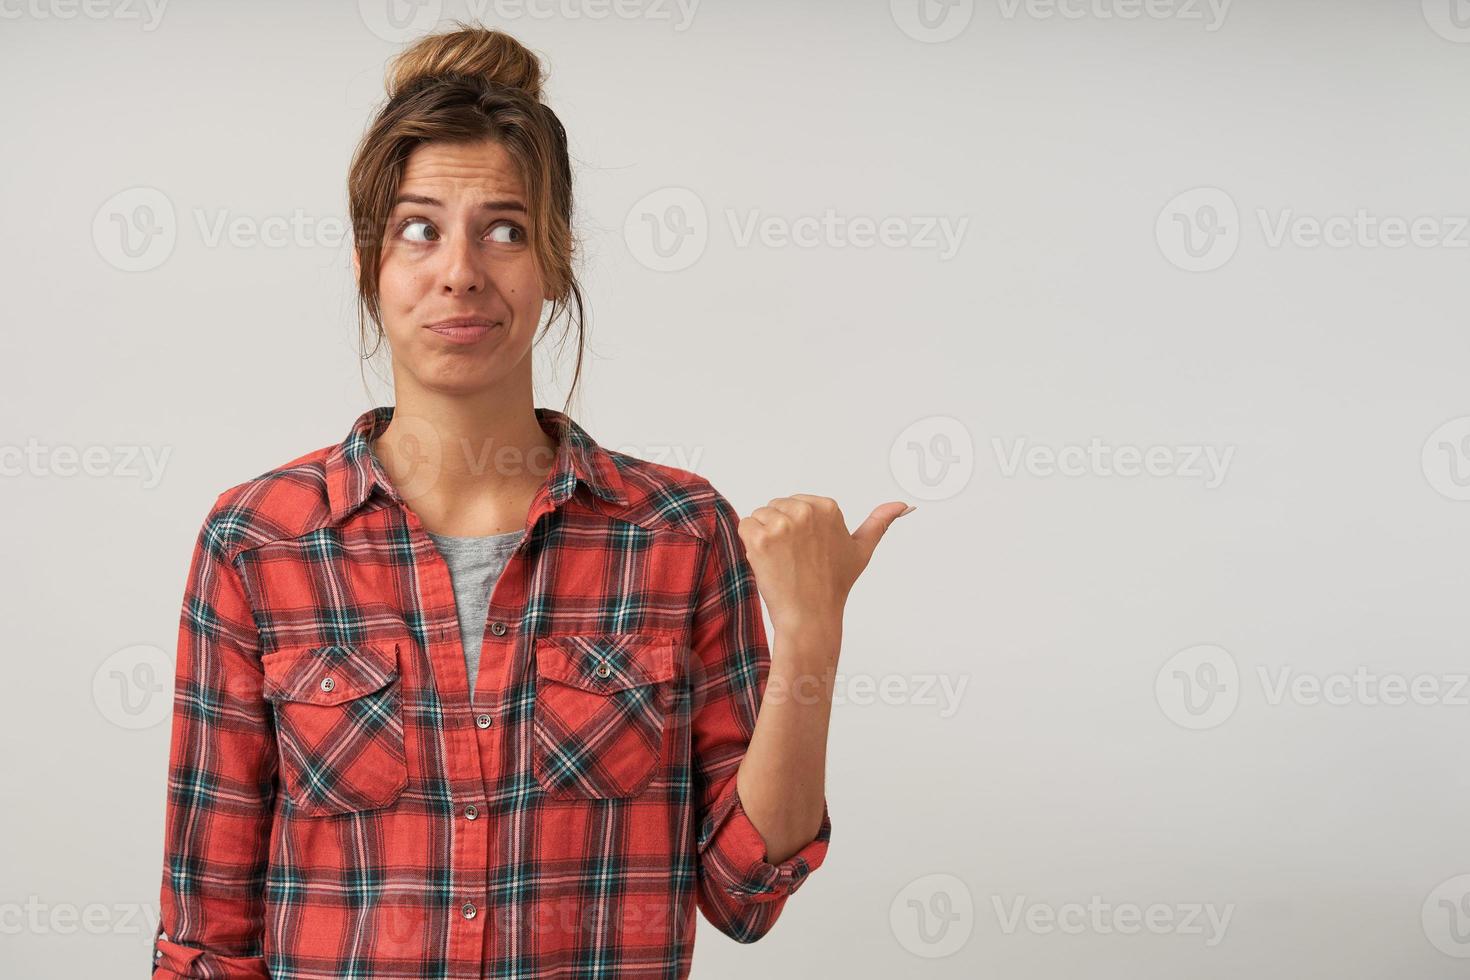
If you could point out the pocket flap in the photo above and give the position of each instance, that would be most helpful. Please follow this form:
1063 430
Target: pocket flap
604 662
329 675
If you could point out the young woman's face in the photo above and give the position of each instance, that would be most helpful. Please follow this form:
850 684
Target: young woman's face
458 249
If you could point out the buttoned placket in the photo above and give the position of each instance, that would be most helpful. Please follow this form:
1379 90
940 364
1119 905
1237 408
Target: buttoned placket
475 746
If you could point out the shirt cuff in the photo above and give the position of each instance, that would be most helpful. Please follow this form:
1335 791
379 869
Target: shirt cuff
734 853
176 961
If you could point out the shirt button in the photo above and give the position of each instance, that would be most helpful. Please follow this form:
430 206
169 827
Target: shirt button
498 628
328 683
471 812
603 669
467 910
483 721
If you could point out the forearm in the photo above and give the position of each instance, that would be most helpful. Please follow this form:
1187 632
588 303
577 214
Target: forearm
782 779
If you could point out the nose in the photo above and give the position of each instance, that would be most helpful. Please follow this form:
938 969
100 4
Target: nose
461 272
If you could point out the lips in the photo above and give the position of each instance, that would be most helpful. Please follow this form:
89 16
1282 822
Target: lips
464 329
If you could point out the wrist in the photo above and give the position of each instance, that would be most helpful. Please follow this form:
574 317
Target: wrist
810 648
810 626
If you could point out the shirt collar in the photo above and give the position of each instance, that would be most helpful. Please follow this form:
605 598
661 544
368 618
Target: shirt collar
352 470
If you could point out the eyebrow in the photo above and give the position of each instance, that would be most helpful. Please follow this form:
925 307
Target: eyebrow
510 204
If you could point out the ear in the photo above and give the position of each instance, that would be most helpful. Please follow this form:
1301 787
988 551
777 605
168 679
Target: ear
356 264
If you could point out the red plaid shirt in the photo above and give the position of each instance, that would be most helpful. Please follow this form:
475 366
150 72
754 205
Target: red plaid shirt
337 806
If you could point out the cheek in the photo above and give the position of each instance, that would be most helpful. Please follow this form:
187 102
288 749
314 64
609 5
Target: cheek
400 286
524 289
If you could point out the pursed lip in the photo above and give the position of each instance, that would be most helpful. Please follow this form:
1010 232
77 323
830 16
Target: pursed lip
463 329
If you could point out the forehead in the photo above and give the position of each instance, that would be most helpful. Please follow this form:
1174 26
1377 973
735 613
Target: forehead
461 168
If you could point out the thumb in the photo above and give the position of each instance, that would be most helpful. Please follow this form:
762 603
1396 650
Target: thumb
871 531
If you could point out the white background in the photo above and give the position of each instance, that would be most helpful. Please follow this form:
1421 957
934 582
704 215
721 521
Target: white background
1083 151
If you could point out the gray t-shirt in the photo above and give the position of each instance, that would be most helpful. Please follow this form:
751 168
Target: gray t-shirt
475 563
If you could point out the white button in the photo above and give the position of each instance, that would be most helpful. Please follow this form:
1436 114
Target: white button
603 669
328 683
467 910
483 721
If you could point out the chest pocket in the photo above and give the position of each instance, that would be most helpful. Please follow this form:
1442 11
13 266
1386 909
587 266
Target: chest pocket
602 700
339 725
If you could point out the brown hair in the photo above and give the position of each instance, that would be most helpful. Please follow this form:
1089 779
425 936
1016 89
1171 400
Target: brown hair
463 86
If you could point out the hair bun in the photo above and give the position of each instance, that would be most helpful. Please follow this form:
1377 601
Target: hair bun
469 50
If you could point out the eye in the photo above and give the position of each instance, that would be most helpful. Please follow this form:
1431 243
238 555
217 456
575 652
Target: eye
510 233
407 232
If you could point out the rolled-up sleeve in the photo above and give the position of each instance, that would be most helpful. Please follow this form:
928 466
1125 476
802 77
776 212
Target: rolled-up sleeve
221 778
740 892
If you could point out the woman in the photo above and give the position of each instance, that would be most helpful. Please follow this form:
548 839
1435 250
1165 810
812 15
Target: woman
467 694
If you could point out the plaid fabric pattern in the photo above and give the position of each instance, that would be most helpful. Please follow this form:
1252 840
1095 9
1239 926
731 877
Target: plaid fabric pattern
337 805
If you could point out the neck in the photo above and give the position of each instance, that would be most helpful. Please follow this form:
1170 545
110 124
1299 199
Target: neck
466 464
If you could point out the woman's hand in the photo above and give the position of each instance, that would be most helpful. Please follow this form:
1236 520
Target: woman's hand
804 559
805 563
